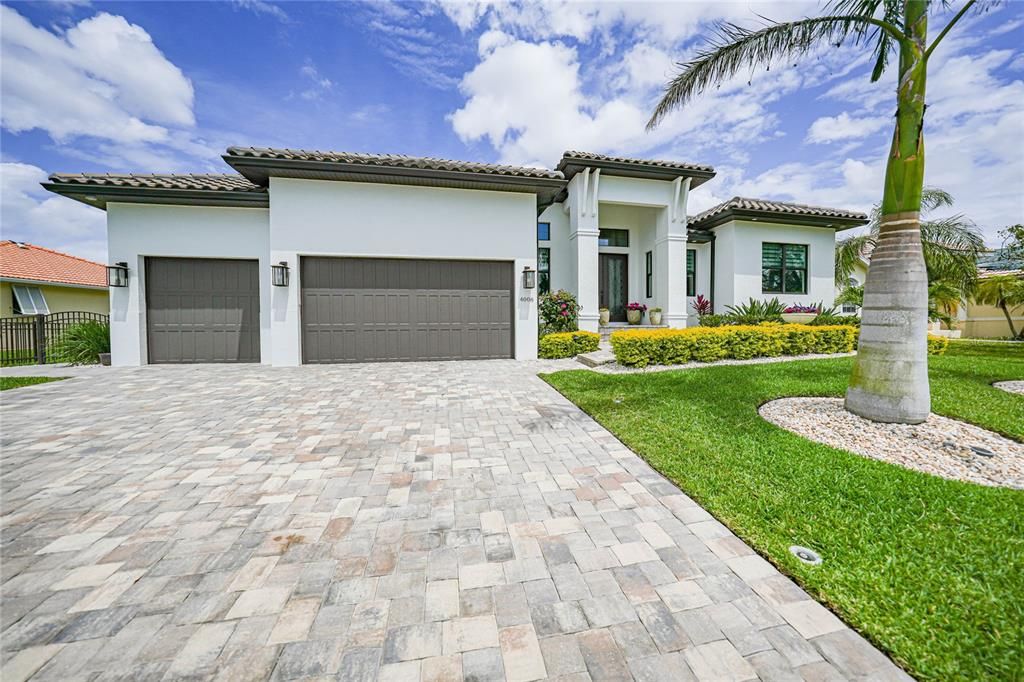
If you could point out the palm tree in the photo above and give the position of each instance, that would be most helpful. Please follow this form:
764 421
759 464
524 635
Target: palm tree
951 247
889 382
1005 292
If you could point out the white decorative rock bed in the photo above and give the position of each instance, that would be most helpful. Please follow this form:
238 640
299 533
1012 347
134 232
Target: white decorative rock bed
940 446
1010 386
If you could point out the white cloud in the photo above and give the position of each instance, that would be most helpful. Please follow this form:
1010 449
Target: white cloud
843 127
319 84
30 213
103 78
263 7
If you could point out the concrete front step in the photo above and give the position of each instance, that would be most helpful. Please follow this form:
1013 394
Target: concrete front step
596 358
607 329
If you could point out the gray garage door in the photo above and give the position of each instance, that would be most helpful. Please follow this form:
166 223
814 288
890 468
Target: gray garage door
383 309
202 310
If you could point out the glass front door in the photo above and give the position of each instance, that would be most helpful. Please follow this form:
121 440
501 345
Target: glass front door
613 271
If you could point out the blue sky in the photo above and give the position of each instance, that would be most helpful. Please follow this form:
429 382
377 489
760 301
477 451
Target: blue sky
165 87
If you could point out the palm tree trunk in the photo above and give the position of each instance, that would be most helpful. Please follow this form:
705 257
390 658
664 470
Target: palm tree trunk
889 382
1009 319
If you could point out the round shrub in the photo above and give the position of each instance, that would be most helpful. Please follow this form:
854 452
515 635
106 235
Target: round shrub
567 344
559 312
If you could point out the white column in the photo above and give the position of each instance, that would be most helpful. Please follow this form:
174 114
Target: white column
285 322
583 232
670 256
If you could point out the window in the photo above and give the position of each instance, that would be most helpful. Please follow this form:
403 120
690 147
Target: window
650 273
783 268
849 308
613 238
543 271
691 272
543 232
29 301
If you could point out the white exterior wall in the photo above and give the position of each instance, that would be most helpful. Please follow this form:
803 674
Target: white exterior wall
330 218
738 270
561 258
135 231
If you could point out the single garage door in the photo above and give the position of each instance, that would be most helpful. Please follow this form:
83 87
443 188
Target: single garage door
387 309
202 310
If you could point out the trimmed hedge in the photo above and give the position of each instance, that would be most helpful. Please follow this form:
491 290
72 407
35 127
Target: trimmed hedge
568 344
642 347
937 345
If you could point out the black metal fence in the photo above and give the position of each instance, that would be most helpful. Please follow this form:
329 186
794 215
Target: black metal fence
32 339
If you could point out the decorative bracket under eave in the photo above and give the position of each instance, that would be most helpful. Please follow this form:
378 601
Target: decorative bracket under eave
677 205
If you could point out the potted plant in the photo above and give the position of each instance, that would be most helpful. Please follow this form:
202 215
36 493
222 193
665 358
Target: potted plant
654 315
799 314
605 316
635 312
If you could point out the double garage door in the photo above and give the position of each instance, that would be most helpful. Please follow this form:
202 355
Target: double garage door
389 309
353 310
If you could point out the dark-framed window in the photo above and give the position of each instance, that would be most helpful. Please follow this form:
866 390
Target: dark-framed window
783 268
610 237
543 232
543 271
649 258
691 272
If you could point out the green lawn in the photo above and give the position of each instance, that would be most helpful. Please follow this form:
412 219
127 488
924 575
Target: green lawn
7 383
932 571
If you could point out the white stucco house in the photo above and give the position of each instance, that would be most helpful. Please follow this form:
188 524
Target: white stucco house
306 257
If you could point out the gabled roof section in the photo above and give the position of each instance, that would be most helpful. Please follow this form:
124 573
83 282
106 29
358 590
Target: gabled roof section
742 208
222 189
28 262
259 164
650 169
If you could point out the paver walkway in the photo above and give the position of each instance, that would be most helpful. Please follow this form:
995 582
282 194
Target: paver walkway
413 521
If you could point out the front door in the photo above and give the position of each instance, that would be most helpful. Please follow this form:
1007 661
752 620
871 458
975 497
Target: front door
612 273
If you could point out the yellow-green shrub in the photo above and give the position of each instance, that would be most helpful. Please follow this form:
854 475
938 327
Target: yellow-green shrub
641 347
937 345
568 344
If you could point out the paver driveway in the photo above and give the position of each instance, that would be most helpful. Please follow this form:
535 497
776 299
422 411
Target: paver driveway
410 521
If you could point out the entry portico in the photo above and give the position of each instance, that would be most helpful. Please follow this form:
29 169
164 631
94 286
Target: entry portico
619 233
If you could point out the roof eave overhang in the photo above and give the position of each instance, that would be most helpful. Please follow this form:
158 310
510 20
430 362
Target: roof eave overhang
52 283
260 170
99 196
571 167
831 222
699 236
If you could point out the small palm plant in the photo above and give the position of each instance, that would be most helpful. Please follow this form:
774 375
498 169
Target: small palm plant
81 344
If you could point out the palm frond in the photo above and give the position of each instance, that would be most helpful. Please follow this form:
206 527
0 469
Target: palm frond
933 198
849 252
951 248
733 47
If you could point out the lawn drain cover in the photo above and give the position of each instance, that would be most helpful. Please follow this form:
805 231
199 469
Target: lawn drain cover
808 556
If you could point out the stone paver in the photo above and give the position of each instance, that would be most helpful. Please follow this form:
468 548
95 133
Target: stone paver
435 521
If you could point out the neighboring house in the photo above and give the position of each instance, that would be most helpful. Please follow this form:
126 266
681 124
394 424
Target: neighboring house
976 321
401 258
35 280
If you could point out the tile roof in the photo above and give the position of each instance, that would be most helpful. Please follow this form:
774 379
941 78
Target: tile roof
985 274
778 207
231 182
670 165
392 161
19 260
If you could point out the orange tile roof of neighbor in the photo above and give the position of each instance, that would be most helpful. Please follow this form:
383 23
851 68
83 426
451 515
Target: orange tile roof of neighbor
19 260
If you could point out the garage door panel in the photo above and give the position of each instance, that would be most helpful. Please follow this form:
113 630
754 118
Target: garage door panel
202 310
395 309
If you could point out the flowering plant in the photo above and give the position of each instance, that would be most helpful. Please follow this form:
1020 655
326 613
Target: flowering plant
701 305
801 309
637 306
558 312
